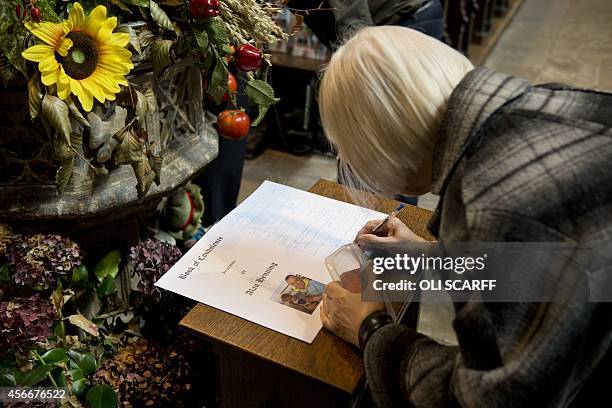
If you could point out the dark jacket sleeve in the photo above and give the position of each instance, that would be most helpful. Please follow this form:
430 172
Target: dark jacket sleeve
509 354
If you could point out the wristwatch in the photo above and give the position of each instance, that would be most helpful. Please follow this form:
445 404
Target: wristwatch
370 324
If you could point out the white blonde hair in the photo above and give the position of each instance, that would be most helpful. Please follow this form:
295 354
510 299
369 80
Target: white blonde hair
382 98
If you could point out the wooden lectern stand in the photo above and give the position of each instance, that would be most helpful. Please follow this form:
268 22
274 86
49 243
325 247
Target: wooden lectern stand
258 367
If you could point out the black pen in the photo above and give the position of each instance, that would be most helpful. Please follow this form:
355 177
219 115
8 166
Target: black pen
392 214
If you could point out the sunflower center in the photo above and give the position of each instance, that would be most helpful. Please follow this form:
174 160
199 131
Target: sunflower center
82 57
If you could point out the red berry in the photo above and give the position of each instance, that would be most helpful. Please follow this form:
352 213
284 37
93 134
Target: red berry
248 57
204 8
35 13
18 11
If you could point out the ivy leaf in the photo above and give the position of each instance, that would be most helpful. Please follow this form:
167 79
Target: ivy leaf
159 16
55 356
101 396
33 377
160 55
35 95
78 381
107 287
261 94
217 86
108 265
217 34
58 114
84 324
64 174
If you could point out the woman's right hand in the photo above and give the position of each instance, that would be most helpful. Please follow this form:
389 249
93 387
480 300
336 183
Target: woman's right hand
393 231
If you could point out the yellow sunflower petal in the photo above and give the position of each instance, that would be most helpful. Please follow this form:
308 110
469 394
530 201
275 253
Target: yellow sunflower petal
77 16
90 84
50 33
118 53
50 77
48 64
107 81
119 40
75 86
38 52
63 89
64 46
85 98
97 26
115 66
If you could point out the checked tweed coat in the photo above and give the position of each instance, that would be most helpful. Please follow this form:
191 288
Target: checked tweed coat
523 163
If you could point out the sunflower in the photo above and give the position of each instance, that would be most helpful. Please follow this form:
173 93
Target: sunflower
82 55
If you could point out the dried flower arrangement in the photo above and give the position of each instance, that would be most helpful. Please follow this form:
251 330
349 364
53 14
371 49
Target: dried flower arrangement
64 324
82 61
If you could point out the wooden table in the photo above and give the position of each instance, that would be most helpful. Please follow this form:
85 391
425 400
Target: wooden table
260 367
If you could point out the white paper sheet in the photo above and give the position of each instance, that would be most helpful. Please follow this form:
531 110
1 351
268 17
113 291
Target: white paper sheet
240 265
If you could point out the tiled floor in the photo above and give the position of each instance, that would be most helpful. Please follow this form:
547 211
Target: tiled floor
566 41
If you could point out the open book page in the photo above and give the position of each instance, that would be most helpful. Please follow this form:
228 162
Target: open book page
264 261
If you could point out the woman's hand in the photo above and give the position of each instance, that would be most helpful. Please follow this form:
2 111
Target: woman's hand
393 231
343 311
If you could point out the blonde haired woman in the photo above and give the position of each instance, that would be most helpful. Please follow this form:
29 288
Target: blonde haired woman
511 162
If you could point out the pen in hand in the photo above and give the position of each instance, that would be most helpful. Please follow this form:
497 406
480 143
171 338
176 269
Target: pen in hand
386 220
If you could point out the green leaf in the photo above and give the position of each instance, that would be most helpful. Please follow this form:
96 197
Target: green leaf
217 34
260 93
78 381
101 396
108 265
107 287
201 37
59 329
160 55
4 274
33 377
56 355
64 174
217 86
84 323
80 274
58 114
84 361
7 378
35 95
159 16
60 377
139 3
